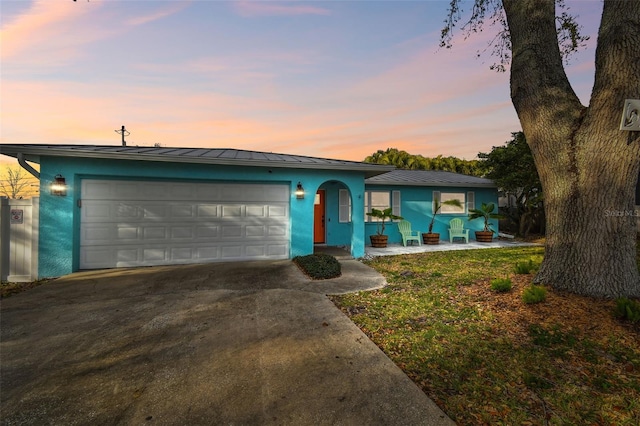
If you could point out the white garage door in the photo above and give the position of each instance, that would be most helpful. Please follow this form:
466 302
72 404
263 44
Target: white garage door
143 223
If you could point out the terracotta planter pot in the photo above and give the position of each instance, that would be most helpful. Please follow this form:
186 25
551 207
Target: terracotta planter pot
431 238
379 241
484 236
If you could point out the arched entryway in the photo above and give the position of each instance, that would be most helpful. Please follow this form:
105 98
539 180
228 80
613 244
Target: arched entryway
332 215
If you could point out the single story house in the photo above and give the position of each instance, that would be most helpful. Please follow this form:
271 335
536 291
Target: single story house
124 206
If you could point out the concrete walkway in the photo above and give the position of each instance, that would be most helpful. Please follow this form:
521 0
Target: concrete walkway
235 344
395 249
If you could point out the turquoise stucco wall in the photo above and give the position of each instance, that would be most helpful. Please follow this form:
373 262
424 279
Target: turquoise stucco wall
415 205
339 234
60 219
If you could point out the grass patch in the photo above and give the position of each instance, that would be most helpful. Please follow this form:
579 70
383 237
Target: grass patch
8 289
488 358
527 267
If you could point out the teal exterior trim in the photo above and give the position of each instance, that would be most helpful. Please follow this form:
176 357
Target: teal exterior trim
415 206
59 239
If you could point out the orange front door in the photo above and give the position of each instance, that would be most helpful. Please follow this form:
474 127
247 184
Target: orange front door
318 219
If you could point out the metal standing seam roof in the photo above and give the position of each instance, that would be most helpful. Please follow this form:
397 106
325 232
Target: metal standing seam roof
218 156
429 178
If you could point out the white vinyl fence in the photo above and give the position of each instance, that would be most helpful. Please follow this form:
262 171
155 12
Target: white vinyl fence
19 240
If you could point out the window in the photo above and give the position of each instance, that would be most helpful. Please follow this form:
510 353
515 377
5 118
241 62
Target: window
381 200
466 200
344 201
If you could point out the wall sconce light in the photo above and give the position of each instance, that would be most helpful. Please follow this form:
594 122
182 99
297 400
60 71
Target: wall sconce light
58 186
299 191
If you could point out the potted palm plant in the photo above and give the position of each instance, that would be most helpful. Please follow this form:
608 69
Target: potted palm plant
431 237
379 239
485 212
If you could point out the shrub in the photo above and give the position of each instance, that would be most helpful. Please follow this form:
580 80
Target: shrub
319 266
534 294
526 267
501 285
627 309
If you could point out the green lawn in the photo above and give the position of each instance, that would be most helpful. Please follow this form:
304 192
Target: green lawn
486 357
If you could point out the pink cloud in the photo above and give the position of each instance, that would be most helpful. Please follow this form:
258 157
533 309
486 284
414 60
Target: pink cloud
173 8
408 105
44 21
260 8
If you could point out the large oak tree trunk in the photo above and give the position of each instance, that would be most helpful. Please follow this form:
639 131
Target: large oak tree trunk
587 166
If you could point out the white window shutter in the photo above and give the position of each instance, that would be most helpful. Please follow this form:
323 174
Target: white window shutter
395 203
367 202
345 206
471 201
436 197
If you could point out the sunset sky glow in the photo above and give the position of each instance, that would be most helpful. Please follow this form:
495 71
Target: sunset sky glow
335 79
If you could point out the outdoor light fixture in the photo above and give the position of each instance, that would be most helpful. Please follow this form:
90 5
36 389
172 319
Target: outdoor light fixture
58 186
299 191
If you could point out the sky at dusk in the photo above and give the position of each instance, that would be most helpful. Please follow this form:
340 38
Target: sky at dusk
334 79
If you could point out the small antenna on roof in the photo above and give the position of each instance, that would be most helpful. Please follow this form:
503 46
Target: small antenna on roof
124 132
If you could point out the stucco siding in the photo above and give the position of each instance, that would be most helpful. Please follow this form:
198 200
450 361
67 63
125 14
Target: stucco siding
415 205
60 219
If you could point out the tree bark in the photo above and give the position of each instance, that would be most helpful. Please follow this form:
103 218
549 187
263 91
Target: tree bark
587 166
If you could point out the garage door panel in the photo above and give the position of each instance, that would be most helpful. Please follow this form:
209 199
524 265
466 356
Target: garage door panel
158 254
207 232
278 211
182 254
255 251
154 233
277 231
278 250
185 232
207 210
209 192
231 231
182 211
97 189
229 252
102 233
154 223
125 191
126 233
207 253
231 211
150 211
125 211
255 231
255 211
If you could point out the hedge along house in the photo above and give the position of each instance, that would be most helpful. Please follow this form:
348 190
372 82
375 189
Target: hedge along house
411 194
119 206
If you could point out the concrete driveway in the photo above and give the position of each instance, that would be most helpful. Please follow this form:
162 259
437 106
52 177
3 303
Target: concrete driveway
234 344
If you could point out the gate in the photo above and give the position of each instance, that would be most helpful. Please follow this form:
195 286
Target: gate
19 240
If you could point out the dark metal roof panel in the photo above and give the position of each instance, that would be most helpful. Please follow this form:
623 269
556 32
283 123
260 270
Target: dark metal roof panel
428 178
220 156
